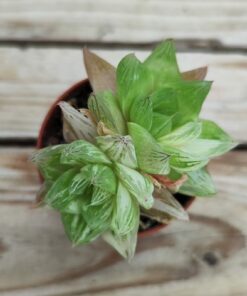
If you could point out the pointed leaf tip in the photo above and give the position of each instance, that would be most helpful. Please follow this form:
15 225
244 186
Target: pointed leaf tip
77 125
166 202
101 74
195 74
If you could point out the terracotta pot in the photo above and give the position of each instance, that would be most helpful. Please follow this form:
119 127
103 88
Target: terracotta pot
51 134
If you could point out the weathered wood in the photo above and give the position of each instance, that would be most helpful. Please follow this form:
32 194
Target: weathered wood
193 258
19 180
31 79
120 21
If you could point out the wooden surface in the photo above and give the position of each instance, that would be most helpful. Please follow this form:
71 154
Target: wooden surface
31 79
40 56
222 21
35 255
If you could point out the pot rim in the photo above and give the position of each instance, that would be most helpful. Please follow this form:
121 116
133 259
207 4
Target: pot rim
40 144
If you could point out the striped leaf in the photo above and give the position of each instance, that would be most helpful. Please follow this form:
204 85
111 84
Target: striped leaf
119 148
126 212
139 185
150 156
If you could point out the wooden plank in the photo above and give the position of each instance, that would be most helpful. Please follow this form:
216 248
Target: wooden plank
206 256
119 21
19 180
31 79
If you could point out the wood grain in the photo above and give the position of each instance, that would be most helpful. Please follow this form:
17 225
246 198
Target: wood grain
31 79
204 257
185 259
19 180
119 21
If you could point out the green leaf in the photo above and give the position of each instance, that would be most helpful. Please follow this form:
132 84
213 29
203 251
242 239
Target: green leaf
77 229
199 183
79 203
75 207
101 74
99 196
91 197
99 217
150 156
162 125
190 97
78 184
105 108
208 148
181 135
100 176
48 162
80 152
211 131
119 148
191 150
186 164
138 185
163 63
213 142
174 175
165 101
175 143
58 196
126 212
141 112
76 125
133 82
183 98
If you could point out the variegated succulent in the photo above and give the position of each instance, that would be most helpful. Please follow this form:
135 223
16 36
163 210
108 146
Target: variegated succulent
139 141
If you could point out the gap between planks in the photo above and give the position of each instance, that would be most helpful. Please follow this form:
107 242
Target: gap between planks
31 79
182 45
117 21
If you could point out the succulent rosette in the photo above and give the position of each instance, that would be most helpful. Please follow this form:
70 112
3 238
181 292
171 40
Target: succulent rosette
140 141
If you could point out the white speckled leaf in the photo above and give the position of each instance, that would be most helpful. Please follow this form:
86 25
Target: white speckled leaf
119 148
139 185
80 152
100 176
181 135
104 107
199 183
99 196
77 229
150 156
126 212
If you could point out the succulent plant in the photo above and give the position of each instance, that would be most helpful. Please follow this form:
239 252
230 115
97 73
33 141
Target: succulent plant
140 141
